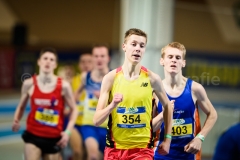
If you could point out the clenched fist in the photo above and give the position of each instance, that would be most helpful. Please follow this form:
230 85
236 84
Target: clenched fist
117 99
163 148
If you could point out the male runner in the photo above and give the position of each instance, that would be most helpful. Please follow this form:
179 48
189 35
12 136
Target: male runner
76 142
94 137
44 136
187 135
126 98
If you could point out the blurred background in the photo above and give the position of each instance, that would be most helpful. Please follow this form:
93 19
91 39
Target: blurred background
209 29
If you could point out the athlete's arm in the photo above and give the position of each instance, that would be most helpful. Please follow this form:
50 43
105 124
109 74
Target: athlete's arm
68 98
167 112
204 103
27 84
206 106
103 109
78 92
157 118
202 100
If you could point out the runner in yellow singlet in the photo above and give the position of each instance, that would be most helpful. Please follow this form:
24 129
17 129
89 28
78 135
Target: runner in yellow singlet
94 137
76 142
126 98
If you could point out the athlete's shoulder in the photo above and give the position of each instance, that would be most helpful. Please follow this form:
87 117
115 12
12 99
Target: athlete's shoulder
153 76
196 87
198 90
144 69
65 83
83 75
27 85
110 75
28 82
108 80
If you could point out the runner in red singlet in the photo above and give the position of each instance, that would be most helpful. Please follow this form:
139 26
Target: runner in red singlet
44 136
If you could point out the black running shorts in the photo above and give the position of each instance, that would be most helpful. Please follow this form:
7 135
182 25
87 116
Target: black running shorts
46 145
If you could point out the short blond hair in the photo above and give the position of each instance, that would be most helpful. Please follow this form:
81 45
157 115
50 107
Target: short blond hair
134 31
174 45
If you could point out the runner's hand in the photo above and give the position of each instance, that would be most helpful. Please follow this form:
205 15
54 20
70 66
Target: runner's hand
15 126
194 146
164 147
117 99
64 140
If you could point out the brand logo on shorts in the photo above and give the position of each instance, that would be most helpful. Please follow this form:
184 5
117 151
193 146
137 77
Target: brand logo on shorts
144 84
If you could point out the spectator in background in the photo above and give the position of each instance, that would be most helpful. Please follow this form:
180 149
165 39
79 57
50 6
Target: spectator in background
228 146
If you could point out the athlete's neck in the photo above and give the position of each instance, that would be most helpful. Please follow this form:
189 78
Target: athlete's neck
99 73
46 78
173 80
131 71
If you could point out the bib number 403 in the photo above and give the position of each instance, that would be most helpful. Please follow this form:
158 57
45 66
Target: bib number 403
181 130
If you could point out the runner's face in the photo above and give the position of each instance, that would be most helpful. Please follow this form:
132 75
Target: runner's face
85 63
100 57
173 60
134 48
47 62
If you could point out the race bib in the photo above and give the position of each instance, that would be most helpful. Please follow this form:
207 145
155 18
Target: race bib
131 117
80 108
180 128
92 104
47 117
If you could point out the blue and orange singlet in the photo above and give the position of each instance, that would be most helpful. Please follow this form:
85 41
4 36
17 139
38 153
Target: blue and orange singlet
186 125
130 123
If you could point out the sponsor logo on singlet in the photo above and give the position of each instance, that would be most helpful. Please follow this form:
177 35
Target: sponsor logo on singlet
46 102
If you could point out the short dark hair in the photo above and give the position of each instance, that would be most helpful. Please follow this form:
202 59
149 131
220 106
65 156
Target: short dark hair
48 49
